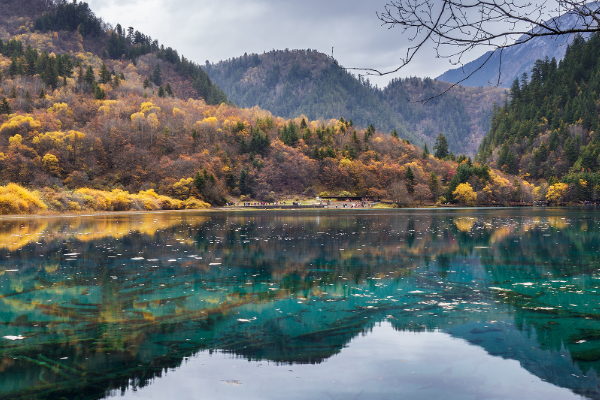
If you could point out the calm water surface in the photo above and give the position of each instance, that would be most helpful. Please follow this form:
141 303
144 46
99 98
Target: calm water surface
407 304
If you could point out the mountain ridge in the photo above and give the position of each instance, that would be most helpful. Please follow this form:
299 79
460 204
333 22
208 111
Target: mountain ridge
515 60
290 83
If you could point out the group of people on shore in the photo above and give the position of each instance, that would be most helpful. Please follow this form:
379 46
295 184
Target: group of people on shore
356 205
261 204
345 205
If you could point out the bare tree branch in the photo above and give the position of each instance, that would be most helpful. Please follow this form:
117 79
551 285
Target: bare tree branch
456 27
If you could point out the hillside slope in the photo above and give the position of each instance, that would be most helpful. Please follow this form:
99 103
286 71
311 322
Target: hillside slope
72 118
62 27
549 130
306 82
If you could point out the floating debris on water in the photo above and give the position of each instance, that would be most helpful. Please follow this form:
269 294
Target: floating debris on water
246 320
10 337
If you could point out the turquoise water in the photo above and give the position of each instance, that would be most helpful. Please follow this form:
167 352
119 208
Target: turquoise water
370 304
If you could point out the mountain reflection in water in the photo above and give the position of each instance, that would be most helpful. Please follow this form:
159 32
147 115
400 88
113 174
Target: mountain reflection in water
94 304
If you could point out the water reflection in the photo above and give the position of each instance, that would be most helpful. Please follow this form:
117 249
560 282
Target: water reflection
383 364
91 304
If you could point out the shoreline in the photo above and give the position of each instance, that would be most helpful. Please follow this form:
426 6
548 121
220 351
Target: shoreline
56 214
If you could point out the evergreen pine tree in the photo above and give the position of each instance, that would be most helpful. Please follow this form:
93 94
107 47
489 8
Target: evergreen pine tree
434 183
244 185
99 93
104 74
161 92
51 74
5 107
394 134
13 67
515 90
571 151
425 151
554 140
410 179
13 93
230 178
441 147
42 94
89 76
502 156
146 83
116 80
169 90
66 66
156 75
199 182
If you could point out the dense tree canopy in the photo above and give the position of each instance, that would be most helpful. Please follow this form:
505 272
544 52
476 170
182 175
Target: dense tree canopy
549 127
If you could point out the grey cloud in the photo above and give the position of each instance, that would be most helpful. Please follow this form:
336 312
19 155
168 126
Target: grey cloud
217 30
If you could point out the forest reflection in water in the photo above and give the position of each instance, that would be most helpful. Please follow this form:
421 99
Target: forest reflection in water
93 304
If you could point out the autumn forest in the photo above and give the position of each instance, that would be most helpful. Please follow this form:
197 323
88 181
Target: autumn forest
96 117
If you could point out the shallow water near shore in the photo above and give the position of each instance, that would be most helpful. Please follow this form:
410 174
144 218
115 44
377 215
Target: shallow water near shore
366 304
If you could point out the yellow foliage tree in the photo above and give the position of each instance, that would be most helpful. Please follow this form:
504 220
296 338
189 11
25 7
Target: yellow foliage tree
75 139
345 163
556 191
212 121
183 188
50 164
139 119
50 139
15 140
20 122
58 107
107 106
148 107
464 194
15 199
152 121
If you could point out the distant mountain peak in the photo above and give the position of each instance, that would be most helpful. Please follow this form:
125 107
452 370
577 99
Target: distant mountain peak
517 59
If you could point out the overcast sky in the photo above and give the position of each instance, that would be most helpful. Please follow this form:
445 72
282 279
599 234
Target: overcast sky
217 30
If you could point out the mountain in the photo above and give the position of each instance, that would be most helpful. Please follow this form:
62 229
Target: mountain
515 60
549 130
86 129
290 83
53 26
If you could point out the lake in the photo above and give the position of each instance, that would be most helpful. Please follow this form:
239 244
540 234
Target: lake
338 304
